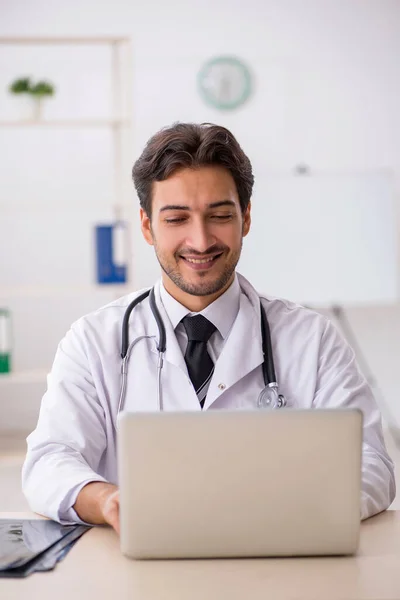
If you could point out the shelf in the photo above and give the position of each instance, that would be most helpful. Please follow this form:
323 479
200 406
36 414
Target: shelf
67 123
64 40
32 291
28 376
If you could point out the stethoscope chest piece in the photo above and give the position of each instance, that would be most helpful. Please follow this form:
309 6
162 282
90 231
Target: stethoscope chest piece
270 398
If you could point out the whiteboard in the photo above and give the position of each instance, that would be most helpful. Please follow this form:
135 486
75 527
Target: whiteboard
324 239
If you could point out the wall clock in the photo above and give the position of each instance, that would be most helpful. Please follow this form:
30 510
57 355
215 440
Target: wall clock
225 82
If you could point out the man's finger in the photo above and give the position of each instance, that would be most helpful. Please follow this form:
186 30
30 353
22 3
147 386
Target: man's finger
112 516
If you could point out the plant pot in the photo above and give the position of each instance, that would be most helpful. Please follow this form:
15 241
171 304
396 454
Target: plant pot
24 107
37 108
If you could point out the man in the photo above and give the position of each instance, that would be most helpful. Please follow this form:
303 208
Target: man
194 184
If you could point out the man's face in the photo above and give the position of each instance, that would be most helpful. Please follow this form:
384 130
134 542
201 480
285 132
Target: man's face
196 228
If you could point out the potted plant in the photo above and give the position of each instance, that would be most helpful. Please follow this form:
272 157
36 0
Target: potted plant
24 88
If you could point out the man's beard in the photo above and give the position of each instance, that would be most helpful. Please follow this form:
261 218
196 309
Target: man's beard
198 289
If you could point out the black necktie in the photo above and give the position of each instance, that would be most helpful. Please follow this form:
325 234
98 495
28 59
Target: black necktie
198 361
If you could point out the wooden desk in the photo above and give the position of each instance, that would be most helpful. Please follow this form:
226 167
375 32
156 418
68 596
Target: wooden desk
95 570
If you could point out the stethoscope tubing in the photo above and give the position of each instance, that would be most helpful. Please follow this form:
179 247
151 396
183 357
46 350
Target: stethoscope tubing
268 366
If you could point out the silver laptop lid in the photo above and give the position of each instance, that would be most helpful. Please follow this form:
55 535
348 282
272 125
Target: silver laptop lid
238 483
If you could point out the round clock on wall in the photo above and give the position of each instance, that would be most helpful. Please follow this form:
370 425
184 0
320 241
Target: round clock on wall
225 82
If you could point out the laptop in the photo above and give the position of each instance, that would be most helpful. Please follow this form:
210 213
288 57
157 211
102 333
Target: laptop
239 483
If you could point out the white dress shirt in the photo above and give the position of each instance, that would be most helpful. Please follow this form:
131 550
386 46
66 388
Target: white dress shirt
221 313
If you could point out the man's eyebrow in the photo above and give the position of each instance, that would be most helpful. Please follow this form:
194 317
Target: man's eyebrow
183 207
221 203
174 207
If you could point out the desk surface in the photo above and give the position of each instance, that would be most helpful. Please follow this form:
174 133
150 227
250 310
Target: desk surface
94 568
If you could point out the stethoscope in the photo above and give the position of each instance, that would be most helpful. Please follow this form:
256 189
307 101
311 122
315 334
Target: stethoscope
269 397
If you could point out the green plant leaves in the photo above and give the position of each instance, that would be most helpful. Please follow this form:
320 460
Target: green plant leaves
42 88
26 86
20 86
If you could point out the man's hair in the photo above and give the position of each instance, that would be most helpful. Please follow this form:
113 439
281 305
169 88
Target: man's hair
190 145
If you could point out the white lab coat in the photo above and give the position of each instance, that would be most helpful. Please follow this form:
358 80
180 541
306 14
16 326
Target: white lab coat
75 439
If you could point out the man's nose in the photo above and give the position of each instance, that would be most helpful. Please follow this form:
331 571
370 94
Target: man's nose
201 237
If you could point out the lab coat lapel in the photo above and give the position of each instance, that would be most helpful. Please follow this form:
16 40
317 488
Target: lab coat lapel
242 351
177 392
173 353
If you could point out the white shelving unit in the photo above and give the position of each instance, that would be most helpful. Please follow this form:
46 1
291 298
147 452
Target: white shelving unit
67 123
35 291
120 123
28 376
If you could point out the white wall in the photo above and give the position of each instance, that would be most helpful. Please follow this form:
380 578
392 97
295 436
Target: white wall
327 77
327 94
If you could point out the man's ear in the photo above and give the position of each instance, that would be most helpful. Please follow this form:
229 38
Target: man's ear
145 225
247 220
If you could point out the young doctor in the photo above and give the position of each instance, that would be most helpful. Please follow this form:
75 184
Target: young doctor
194 184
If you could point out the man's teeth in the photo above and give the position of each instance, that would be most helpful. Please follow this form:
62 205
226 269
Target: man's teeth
201 260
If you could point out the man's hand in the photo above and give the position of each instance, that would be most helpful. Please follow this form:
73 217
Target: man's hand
110 510
98 503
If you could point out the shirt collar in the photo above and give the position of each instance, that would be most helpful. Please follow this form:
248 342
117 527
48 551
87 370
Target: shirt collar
222 312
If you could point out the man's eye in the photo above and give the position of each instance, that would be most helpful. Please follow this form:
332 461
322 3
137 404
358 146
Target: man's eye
176 220
222 217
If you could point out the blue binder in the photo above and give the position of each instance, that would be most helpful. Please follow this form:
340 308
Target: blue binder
108 271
